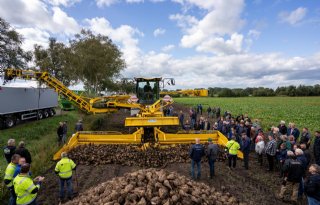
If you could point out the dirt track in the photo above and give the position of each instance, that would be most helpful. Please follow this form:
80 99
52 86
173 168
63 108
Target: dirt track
247 186
253 186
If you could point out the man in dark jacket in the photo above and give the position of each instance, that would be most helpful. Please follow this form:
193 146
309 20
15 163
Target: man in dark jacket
316 147
245 148
293 172
305 137
306 153
212 154
79 126
181 119
312 185
60 133
24 152
196 153
283 128
9 150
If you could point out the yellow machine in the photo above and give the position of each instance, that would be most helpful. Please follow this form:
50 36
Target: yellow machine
148 122
198 92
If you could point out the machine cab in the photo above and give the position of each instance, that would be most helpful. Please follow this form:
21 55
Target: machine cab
147 90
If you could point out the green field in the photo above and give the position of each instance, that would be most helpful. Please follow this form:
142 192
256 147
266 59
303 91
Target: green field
303 111
40 138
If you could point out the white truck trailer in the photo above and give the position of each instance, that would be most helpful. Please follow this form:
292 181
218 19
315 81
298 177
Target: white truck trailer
18 104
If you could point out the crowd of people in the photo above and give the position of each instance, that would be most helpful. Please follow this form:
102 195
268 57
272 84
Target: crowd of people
18 176
287 150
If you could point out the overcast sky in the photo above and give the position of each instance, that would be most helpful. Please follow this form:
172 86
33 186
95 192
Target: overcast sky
200 43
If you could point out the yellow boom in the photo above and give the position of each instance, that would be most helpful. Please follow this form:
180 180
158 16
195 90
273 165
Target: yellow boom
148 121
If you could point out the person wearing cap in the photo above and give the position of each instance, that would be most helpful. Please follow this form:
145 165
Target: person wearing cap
64 170
25 188
9 176
212 154
232 147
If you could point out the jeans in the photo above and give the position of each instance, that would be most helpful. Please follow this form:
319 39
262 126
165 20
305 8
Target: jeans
301 188
193 122
211 165
312 201
69 187
13 196
193 164
232 158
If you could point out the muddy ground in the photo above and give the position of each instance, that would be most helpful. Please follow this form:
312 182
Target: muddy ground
253 186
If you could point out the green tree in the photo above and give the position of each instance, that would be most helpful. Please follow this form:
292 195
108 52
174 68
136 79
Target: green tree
11 53
96 59
55 60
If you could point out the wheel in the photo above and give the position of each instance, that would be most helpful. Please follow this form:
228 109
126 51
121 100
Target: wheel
2 124
45 113
10 122
40 115
52 112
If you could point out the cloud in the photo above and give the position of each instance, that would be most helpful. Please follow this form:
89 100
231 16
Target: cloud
36 14
65 3
124 35
293 17
102 3
222 20
158 32
134 1
168 48
33 36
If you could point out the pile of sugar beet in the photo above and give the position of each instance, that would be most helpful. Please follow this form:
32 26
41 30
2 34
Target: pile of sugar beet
154 187
130 155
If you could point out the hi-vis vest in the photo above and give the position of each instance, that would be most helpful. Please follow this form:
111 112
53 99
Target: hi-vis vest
23 186
65 167
233 147
9 173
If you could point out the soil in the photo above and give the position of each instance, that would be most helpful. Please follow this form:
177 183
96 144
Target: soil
253 186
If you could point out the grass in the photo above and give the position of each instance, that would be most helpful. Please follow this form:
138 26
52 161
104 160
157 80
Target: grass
303 111
40 138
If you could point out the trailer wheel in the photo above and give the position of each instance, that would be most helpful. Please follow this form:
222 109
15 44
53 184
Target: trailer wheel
10 122
45 113
52 112
40 115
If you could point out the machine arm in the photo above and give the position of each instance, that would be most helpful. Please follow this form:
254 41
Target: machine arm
85 104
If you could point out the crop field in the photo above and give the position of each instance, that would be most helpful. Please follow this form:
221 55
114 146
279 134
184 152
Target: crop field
303 111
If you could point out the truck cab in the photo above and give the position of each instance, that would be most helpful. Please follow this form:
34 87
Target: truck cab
147 90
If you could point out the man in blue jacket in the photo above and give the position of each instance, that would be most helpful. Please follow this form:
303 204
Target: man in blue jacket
196 153
245 148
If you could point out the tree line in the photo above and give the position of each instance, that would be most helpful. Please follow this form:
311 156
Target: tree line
301 90
91 59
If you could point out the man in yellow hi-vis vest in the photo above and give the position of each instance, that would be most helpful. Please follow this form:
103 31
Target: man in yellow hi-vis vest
25 188
64 170
232 147
8 177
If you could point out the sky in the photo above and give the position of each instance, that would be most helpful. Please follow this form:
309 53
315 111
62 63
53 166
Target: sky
200 43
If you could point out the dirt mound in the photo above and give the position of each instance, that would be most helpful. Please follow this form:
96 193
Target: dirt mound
153 186
130 155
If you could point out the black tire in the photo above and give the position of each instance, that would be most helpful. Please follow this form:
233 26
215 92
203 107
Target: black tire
46 114
52 112
40 115
2 125
10 122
